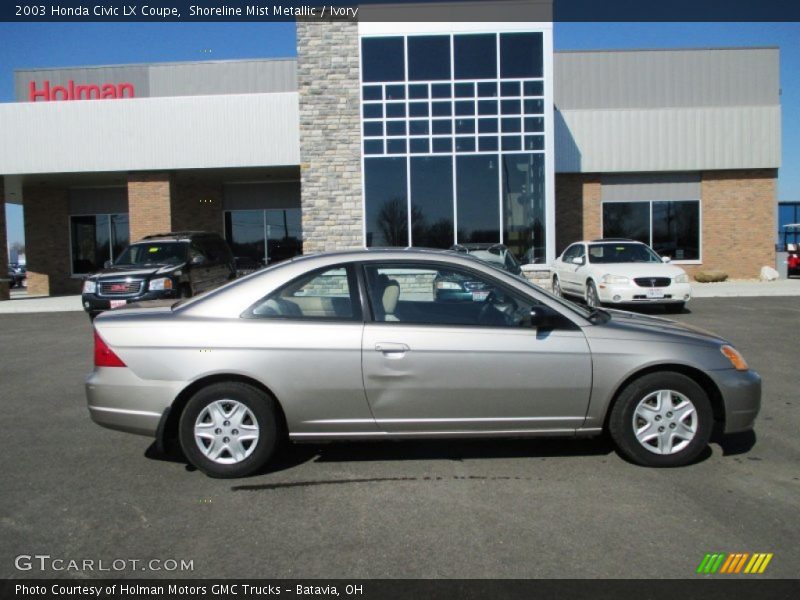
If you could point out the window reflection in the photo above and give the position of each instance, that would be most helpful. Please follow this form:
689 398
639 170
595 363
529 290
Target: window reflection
524 230
386 194
432 201
478 207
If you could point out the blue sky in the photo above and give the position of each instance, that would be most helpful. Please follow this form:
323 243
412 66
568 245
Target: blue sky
72 44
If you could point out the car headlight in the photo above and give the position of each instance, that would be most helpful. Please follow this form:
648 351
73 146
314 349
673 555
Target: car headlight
682 278
736 358
448 285
89 286
157 285
615 279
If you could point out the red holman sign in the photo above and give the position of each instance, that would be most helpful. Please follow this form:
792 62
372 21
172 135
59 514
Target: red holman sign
70 91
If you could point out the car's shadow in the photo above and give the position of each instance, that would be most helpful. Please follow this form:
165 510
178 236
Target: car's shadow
293 455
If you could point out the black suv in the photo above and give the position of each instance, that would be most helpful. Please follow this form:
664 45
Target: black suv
162 266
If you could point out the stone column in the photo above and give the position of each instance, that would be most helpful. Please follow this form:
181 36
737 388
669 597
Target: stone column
47 250
3 241
149 203
330 135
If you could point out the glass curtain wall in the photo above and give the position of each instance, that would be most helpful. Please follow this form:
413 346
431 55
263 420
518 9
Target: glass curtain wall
261 237
96 239
454 140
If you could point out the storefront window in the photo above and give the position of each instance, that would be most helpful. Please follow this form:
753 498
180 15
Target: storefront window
97 239
454 147
262 237
524 229
386 196
671 228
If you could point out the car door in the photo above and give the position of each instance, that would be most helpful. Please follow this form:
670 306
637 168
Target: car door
467 363
309 334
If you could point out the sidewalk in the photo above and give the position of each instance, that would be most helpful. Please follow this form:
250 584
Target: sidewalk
22 303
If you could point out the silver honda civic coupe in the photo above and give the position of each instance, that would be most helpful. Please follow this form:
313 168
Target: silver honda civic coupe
395 344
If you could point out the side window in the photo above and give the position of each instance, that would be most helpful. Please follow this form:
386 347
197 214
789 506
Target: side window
329 294
441 295
574 251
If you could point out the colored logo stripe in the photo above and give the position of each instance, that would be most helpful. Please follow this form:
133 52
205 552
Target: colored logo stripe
734 563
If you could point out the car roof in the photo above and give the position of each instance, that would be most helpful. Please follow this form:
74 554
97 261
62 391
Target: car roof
175 236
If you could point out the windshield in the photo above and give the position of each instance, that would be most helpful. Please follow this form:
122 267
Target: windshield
157 253
622 253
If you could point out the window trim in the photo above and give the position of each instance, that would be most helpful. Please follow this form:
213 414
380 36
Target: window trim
693 261
353 287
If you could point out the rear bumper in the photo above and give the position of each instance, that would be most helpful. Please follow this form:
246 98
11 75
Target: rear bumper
741 393
120 400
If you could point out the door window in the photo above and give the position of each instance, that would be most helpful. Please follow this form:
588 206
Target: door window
442 295
329 294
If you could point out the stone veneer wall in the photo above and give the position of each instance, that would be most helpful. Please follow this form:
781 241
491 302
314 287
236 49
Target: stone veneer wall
330 135
3 241
47 251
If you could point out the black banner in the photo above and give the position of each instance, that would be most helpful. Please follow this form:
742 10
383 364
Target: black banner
398 10
388 589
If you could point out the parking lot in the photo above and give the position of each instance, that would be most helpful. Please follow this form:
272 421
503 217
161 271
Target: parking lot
466 509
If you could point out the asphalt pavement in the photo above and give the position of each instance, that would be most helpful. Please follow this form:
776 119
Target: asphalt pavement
463 509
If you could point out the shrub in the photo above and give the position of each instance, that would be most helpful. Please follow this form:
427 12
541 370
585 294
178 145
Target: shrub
710 276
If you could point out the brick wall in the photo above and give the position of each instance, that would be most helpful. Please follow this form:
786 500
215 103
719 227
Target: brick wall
738 218
3 241
47 250
149 204
197 207
330 144
577 208
738 212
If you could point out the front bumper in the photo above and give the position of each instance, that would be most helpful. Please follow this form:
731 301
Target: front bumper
741 394
630 293
120 400
93 304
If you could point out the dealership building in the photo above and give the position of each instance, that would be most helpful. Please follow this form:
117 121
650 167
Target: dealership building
397 134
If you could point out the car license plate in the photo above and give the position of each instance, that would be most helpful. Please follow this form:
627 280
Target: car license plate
117 303
654 293
480 296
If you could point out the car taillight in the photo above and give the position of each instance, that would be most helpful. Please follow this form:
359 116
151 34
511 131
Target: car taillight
103 355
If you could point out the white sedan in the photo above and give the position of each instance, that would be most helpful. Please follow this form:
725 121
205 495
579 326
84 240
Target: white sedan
620 272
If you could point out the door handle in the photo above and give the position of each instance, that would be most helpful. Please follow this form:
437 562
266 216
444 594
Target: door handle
391 348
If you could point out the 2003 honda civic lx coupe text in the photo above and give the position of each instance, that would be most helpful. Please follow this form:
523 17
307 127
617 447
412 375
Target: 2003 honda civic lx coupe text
358 345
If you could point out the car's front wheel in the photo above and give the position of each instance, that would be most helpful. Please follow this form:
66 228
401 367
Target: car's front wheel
557 288
229 429
662 419
592 299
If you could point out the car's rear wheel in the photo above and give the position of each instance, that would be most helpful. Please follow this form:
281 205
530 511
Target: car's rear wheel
662 419
592 300
229 429
557 288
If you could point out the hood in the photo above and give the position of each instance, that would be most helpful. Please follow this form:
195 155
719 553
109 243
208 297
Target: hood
134 271
640 269
623 322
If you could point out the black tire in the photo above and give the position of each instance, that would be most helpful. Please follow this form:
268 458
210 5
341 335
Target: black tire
262 406
674 308
592 299
557 288
621 420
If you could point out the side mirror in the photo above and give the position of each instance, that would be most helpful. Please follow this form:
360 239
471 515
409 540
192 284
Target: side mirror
544 317
107 264
666 259
578 260
199 260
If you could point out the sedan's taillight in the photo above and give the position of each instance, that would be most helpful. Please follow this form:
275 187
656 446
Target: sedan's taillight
103 355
